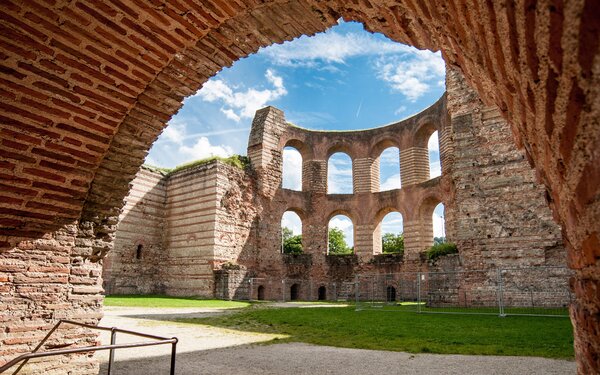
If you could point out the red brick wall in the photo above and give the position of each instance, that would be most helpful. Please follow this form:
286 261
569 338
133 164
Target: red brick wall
88 85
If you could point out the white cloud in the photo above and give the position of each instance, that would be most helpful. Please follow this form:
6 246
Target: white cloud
412 74
330 47
203 149
292 221
400 110
175 132
435 169
434 144
438 221
343 223
390 183
339 174
392 223
238 104
292 169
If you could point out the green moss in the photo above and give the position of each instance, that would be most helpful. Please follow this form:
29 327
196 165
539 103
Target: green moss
440 249
237 161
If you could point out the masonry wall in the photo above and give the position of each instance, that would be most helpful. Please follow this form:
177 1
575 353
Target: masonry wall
138 256
41 282
222 225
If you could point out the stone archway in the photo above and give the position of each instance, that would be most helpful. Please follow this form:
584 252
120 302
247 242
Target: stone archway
88 86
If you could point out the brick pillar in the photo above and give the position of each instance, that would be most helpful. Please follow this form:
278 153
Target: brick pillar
363 241
418 235
314 176
376 239
375 182
362 175
414 165
263 148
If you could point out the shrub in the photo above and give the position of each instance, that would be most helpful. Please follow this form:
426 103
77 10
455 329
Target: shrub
441 249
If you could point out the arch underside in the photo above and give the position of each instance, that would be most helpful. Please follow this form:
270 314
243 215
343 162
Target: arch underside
87 87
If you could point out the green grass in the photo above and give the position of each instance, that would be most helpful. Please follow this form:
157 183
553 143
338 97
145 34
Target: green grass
166 301
408 332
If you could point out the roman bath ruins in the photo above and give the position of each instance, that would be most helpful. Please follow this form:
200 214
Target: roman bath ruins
87 87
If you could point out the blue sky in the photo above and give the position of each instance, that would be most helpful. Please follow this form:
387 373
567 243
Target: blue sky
342 79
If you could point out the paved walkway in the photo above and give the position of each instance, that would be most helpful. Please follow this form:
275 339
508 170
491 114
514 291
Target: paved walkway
210 350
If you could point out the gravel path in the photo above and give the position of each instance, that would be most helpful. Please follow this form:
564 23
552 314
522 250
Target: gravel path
218 351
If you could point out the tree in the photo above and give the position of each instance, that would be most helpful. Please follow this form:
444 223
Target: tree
291 244
392 243
337 243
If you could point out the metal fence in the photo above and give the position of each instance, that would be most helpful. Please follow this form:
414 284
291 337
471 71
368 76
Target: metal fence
506 291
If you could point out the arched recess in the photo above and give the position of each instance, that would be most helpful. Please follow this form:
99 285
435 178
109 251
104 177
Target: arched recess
291 175
388 221
340 234
291 232
339 174
540 66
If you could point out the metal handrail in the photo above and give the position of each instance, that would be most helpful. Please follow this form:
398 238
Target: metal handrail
113 334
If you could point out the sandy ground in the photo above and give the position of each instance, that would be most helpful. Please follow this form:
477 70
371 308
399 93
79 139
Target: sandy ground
210 350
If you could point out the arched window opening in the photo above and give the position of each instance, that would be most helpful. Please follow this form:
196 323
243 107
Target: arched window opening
340 238
389 169
138 251
439 230
391 230
291 233
339 174
261 293
322 293
390 294
433 145
294 292
292 169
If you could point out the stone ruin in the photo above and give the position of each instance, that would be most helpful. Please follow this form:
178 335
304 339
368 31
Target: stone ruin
87 86
214 230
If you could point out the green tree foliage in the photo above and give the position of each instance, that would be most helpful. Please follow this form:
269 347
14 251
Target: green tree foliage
291 244
337 243
392 243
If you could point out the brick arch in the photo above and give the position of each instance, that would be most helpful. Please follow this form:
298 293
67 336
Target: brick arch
342 147
422 134
304 151
383 145
88 86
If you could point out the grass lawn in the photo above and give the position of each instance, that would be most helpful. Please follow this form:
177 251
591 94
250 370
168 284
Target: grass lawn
166 301
408 332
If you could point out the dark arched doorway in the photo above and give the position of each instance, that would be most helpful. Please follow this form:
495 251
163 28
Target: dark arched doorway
390 294
260 293
322 293
294 292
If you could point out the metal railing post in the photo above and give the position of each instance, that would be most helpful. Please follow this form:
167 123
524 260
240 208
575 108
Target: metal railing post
500 294
111 355
418 292
173 355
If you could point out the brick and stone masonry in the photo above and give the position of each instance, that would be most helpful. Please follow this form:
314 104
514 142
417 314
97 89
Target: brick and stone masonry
495 210
87 86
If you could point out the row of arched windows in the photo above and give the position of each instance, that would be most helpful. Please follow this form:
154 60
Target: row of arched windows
341 232
339 168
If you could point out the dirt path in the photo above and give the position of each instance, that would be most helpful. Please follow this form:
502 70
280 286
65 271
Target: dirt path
211 350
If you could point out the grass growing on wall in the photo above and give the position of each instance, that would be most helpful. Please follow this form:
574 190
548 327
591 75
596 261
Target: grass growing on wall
408 332
167 301
238 161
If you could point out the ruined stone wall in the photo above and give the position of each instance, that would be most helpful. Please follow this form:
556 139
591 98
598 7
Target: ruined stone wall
41 282
498 215
135 263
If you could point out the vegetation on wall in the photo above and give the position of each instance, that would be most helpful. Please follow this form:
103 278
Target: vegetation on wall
238 161
392 243
440 249
292 244
337 243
